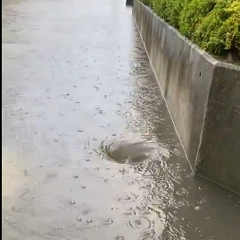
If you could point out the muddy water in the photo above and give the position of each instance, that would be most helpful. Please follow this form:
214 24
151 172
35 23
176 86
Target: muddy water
89 150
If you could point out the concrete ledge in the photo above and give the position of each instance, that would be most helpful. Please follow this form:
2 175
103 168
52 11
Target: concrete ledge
203 96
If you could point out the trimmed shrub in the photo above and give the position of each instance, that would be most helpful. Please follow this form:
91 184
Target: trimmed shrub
169 10
160 8
219 32
193 14
174 8
212 24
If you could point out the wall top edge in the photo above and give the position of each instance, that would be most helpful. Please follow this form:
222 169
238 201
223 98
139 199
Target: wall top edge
211 59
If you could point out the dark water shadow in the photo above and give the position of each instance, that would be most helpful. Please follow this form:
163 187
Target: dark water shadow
129 2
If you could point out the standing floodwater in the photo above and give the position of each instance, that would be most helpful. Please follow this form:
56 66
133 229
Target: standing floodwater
89 150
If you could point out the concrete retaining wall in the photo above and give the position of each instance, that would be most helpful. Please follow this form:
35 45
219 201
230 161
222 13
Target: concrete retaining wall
203 96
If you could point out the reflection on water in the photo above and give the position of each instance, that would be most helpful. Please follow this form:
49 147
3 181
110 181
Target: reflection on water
187 205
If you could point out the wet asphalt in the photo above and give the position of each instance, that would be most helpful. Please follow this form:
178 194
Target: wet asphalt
76 81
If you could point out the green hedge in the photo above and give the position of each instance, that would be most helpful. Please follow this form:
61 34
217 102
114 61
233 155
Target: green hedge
214 25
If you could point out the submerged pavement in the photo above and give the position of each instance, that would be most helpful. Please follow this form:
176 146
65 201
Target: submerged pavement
89 149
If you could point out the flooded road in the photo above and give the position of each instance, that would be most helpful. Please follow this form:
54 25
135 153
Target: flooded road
89 149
